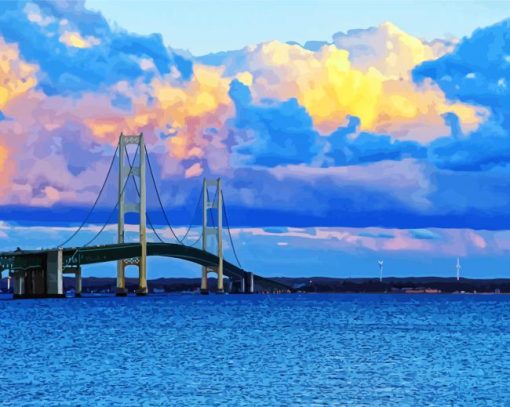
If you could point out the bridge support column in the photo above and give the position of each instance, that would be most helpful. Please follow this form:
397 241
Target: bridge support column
37 280
204 288
242 286
30 284
249 283
219 204
77 284
120 290
19 284
54 275
121 280
142 265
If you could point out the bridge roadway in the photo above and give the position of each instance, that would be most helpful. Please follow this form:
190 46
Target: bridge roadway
27 260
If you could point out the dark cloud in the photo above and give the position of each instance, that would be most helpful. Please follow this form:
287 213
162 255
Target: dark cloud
347 146
380 235
476 72
483 149
423 234
279 133
272 133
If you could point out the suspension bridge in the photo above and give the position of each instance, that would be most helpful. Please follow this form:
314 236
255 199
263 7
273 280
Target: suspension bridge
40 273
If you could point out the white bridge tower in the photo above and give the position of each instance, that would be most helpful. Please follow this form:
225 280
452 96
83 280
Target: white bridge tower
125 172
214 230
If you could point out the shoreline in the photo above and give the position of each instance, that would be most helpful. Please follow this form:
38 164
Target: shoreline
389 285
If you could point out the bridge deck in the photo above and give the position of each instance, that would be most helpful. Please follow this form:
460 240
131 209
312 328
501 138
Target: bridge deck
35 259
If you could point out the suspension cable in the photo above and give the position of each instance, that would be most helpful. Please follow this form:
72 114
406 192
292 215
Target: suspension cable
196 241
147 214
139 196
95 203
228 229
159 197
193 216
118 201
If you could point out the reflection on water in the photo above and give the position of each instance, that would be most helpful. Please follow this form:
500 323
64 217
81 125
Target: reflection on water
256 350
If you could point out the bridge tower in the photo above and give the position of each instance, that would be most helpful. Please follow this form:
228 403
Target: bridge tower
136 171
214 230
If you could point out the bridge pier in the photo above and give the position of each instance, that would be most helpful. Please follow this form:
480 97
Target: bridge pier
35 285
204 284
44 282
54 274
19 284
120 290
76 270
250 283
77 282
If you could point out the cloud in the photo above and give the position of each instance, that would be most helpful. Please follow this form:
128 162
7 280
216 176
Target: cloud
475 72
77 50
388 49
423 234
332 83
381 241
74 39
347 145
16 79
16 76
341 133
378 235
271 133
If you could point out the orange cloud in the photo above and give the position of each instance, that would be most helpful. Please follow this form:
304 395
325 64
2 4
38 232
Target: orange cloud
5 170
16 76
74 39
333 83
189 110
192 116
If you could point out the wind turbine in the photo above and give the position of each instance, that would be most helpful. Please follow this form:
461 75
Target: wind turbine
458 267
381 264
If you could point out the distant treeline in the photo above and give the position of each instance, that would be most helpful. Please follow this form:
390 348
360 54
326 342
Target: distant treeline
317 284
397 284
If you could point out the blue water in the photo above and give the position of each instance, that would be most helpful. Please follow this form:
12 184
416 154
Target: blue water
279 350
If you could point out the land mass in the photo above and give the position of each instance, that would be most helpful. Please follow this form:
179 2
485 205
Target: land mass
315 284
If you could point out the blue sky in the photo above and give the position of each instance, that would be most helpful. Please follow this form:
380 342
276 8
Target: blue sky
382 133
211 26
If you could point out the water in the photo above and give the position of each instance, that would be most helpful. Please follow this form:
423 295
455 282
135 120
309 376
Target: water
366 350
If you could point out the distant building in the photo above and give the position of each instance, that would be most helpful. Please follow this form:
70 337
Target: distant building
421 290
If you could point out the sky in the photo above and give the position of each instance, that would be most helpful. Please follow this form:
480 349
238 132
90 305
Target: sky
205 26
375 133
